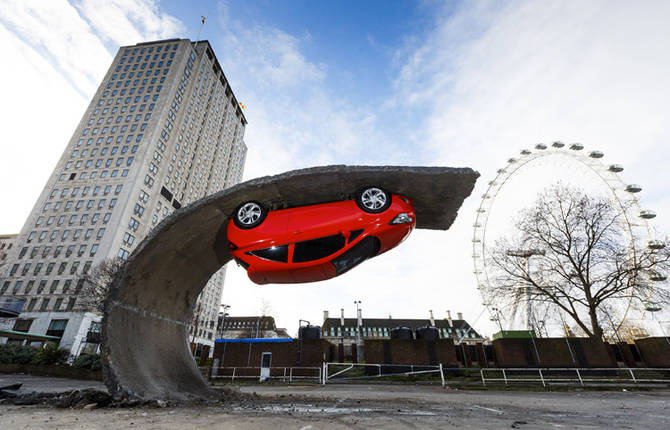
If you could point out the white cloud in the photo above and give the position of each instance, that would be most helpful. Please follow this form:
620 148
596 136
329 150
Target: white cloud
36 104
128 22
56 31
496 79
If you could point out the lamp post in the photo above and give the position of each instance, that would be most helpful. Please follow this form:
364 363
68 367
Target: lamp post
223 318
358 329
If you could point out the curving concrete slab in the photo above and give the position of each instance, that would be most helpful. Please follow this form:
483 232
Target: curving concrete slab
149 308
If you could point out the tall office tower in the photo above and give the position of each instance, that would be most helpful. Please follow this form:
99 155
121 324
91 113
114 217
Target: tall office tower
163 130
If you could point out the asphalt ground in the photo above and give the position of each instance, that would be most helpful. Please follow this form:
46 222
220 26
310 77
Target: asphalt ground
348 406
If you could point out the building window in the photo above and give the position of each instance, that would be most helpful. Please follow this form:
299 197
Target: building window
128 239
56 327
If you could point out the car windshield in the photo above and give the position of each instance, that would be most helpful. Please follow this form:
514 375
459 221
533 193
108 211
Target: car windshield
315 249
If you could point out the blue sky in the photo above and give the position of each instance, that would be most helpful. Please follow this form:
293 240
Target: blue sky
462 84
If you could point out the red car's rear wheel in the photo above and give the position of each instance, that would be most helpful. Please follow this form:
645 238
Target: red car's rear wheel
373 200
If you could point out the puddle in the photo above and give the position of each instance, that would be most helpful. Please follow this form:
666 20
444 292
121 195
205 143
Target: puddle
313 409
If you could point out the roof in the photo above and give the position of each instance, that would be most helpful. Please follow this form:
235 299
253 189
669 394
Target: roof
264 322
254 340
392 323
11 334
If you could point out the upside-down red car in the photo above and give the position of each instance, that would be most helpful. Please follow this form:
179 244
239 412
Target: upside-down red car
317 242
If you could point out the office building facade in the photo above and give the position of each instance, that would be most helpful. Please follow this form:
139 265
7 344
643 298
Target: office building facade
164 129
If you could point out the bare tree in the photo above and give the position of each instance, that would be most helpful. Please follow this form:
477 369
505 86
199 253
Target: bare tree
266 308
94 285
573 253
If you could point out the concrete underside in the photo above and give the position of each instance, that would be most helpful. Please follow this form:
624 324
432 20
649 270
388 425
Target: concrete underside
150 305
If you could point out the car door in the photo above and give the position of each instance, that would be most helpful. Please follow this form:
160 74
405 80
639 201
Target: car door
306 266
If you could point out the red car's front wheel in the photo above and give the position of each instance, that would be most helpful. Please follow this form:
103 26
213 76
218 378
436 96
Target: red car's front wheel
249 215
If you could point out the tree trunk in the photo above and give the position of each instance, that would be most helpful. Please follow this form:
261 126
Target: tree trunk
595 325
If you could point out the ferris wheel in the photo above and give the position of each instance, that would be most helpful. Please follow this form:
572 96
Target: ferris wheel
625 195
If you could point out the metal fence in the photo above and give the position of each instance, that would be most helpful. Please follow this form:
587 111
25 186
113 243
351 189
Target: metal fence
284 374
341 372
354 372
575 376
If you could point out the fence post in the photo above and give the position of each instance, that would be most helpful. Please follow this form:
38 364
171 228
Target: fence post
481 372
541 377
442 376
580 377
233 379
324 375
504 376
632 375
290 374
379 367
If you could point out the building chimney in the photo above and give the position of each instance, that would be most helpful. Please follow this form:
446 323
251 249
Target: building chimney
325 316
460 315
449 319
360 317
432 320
342 317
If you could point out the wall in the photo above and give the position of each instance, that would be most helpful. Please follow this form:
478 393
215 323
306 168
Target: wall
552 352
306 353
406 351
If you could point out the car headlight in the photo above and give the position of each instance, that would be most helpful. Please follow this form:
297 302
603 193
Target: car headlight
402 218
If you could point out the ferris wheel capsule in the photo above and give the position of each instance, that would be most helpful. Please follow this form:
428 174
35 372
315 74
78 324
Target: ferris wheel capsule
558 144
647 214
616 168
633 188
656 244
652 307
576 146
540 146
596 154
657 276
525 152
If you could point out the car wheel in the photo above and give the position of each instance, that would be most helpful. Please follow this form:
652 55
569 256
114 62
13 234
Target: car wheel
249 215
373 200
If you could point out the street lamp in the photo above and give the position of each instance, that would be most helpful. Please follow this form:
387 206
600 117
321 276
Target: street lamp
358 329
223 318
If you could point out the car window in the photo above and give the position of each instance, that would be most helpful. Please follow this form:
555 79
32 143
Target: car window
366 248
274 253
310 250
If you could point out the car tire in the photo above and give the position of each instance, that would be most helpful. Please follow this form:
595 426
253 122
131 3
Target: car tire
373 200
249 215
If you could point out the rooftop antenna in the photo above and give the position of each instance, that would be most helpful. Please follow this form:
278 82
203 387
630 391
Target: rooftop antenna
197 38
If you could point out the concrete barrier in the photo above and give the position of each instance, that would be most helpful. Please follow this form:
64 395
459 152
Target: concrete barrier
147 313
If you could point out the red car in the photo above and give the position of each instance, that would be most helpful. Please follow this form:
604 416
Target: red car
317 242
